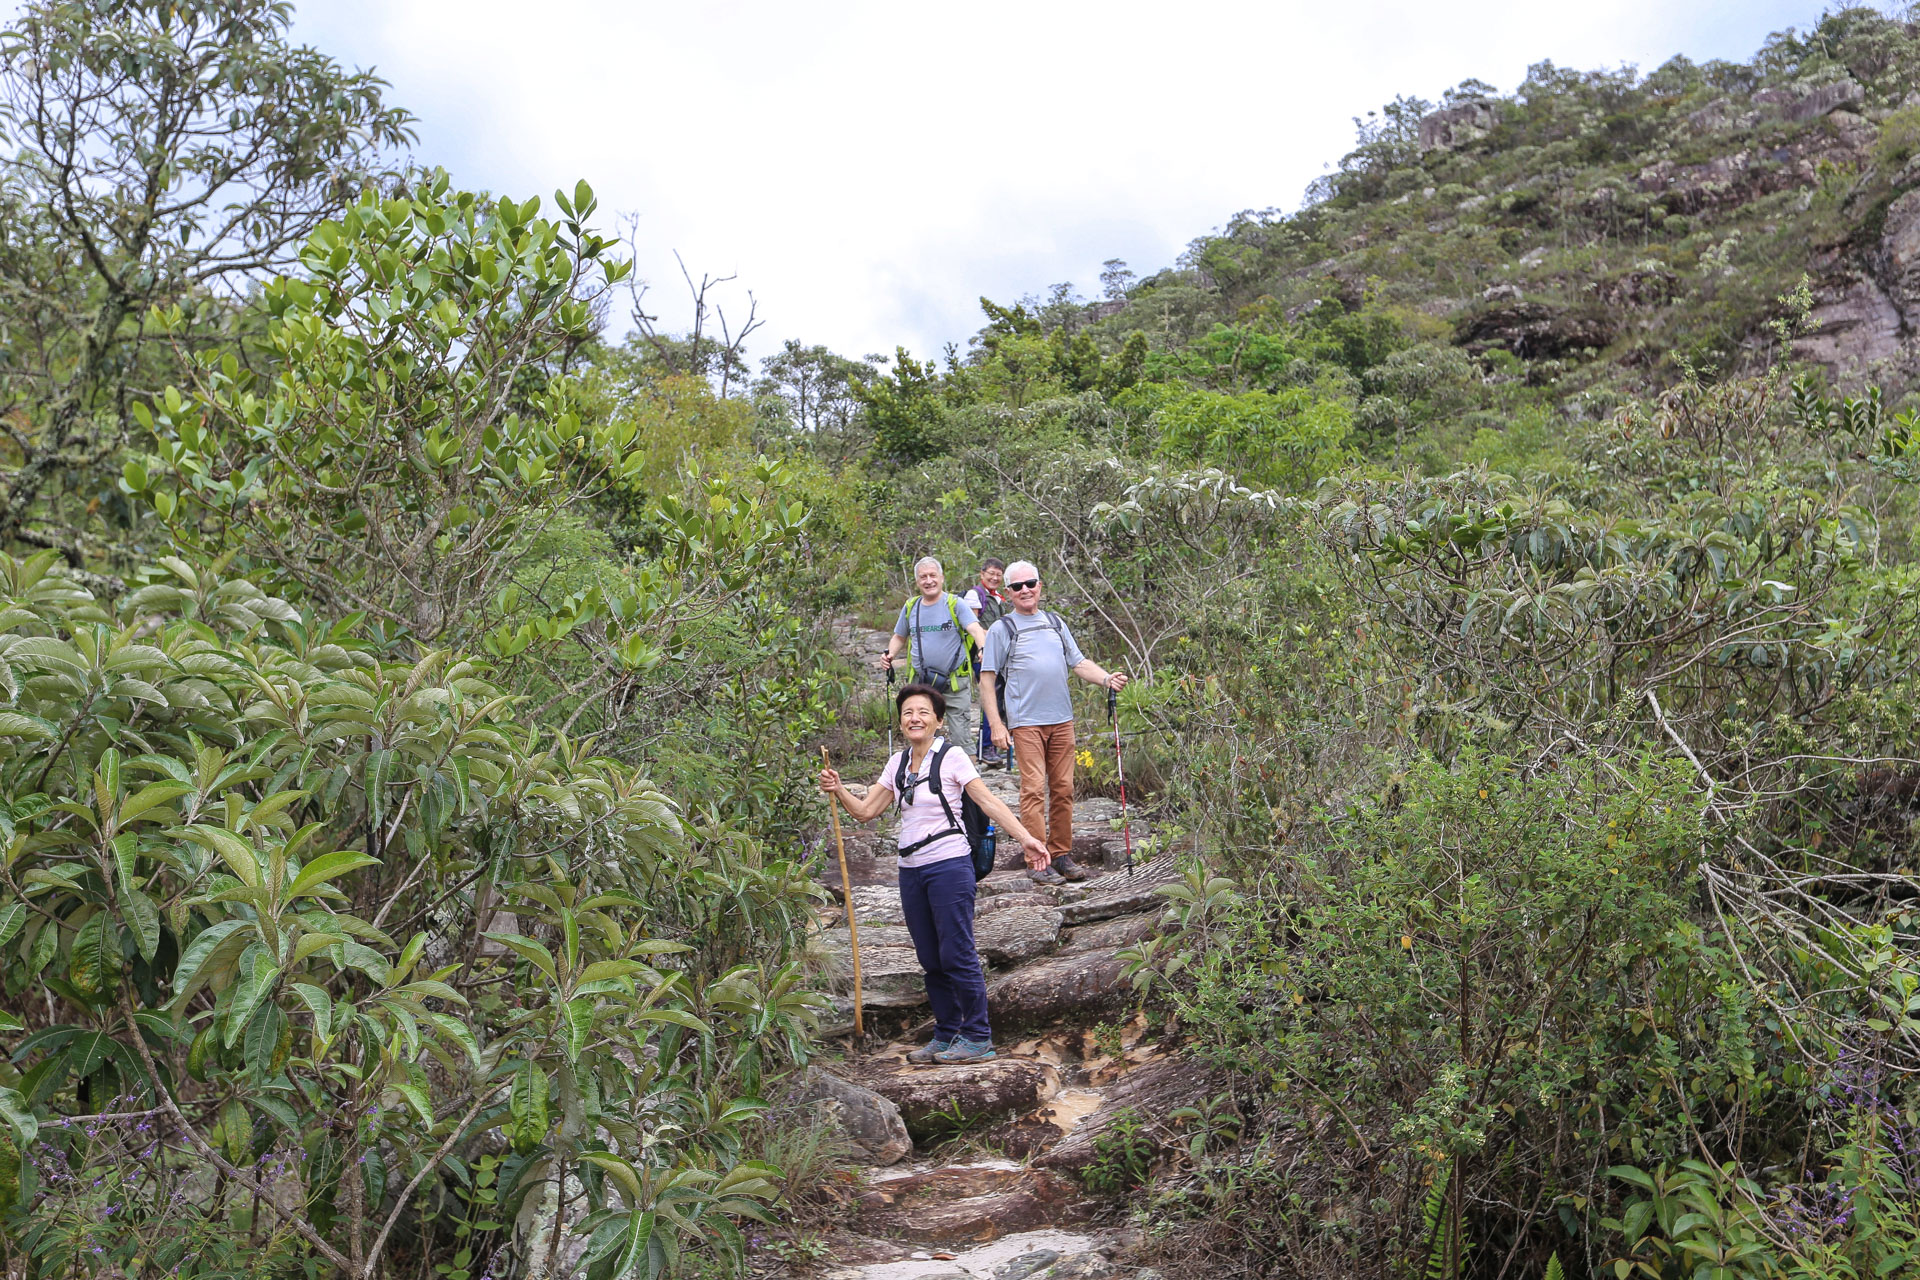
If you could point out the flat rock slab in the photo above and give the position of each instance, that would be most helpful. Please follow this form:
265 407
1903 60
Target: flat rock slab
838 940
1118 894
964 1204
1009 880
1121 931
890 977
1083 987
877 904
1001 901
928 1097
981 1262
1152 1092
1017 934
872 858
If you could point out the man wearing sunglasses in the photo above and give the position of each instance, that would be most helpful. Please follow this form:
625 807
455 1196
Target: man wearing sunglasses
1024 694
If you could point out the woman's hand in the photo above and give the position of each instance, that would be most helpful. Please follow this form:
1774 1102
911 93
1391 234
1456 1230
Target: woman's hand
829 781
1033 844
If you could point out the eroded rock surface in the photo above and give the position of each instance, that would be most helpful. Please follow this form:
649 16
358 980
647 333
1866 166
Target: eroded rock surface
971 1203
1018 934
871 1123
1153 1092
932 1099
1085 986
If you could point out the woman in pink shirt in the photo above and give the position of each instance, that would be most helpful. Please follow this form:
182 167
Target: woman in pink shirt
936 870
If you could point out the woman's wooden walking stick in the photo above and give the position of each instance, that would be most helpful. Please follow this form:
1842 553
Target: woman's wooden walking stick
846 897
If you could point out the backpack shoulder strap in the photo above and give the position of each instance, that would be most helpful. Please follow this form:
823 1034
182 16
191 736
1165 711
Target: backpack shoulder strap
966 645
933 779
900 776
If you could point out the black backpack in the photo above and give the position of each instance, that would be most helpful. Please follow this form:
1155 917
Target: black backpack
1013 642
973 823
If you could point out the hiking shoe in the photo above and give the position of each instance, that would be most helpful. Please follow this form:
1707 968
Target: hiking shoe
965 1050
1046 876
931 1049
1070 870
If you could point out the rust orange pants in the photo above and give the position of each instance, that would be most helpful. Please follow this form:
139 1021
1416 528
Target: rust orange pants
1044 755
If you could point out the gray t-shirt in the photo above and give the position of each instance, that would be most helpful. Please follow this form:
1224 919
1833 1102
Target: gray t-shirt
1037 680
934 644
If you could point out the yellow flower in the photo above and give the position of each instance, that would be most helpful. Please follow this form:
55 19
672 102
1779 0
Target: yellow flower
1085 757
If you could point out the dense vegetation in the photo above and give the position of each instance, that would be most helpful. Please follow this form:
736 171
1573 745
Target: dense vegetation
409 687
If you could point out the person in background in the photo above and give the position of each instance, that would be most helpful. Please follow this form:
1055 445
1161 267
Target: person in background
937 887
933 629
984 598
1030 652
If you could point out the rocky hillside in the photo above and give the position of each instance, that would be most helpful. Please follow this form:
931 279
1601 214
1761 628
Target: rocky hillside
1601 232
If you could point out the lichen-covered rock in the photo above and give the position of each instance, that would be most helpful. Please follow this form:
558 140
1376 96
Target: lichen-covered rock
1084 987
1152 1092
871 1123
1017 935
930 1098
1080 1266
1118 893
1121 931
890 977
1023 1265
970 1203
1825 99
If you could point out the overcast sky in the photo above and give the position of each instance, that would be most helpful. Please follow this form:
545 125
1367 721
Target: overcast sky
869 170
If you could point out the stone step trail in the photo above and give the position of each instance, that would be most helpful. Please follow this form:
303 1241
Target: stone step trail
1069 1059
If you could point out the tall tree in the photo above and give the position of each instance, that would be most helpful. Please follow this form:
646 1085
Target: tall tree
163 153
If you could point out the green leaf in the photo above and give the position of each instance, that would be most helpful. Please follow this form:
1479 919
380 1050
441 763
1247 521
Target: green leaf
236 1132
15 725
13 917
263 1037
621 1172
579 1025
532 951
417 1098
639 1234
19 1116
677 1017
151 796
328 866
143 917
232 850
319 1004
527 1105
188 977
257 974
95 955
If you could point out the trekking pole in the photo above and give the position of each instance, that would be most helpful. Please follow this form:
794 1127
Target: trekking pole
846 897
1126 827
889 714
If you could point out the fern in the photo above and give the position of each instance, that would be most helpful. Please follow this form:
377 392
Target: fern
1554 1271
1438 1222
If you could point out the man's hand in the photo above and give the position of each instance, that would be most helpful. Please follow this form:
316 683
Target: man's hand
1117 681
884 662
1001 736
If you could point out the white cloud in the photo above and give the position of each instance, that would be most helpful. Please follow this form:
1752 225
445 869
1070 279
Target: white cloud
870 169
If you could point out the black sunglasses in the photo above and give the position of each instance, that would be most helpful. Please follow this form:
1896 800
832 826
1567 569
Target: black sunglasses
1022 586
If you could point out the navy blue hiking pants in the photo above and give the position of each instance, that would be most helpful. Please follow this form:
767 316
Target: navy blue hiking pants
937 900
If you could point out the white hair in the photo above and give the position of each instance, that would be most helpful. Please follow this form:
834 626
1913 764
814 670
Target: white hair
924 561
1013 570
